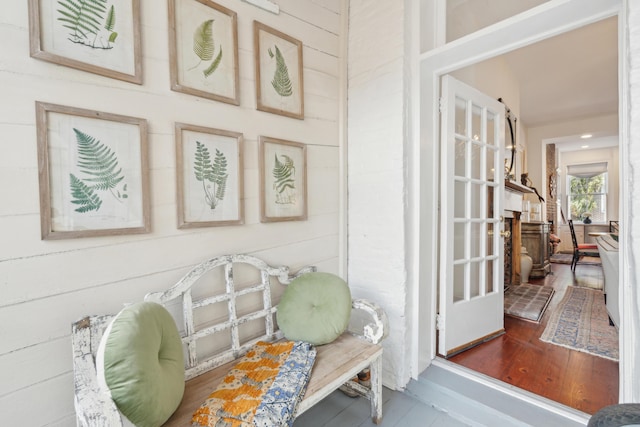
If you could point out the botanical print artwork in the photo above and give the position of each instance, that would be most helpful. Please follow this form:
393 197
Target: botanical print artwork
92 172
284 183
283 180
209 176
212 175
101 36
100 173
279 77
203 50
95 169
90 22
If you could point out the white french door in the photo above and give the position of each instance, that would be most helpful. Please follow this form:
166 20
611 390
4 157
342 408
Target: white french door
472 194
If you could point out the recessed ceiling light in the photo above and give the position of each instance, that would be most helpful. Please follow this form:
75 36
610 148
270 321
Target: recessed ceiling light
584 146
586 136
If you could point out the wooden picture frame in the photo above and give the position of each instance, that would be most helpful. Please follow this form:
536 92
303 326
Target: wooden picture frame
103 39
203 50
93 173
283 180
209 176
279 72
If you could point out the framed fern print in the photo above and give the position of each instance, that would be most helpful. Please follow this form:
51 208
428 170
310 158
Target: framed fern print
283 180
203 50
209 166
93 173
98 36
279 80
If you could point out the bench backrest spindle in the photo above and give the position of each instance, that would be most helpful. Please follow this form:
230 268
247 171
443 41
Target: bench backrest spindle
195 336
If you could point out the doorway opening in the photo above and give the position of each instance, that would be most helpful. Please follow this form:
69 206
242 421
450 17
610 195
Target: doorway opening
519 77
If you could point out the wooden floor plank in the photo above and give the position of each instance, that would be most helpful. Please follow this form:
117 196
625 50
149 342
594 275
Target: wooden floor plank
575 379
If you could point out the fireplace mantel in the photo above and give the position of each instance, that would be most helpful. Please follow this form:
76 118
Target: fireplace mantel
514 186
513 197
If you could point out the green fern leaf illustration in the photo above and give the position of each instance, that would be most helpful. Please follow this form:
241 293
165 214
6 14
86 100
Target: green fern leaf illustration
110 24
215 173
84 196
98 161
220 174
281 81
111 19
203 45
283 173
202 164
83 18
214 64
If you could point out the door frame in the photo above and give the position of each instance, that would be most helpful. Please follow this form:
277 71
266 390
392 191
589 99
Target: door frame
529 27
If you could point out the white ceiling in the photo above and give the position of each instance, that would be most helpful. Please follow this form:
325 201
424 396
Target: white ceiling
570 76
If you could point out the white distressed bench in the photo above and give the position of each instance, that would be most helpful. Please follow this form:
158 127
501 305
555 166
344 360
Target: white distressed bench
336 363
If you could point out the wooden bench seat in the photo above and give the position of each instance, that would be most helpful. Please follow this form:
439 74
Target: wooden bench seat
336 363
350 353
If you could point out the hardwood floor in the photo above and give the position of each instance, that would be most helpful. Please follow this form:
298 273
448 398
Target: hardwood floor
520 358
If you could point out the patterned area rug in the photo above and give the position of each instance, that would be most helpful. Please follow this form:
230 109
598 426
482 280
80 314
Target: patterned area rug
527 301
566 259
580 322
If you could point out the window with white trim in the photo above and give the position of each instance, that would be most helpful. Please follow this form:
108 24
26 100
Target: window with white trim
587 187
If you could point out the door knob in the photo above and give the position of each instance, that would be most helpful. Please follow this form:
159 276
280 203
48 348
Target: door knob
505 234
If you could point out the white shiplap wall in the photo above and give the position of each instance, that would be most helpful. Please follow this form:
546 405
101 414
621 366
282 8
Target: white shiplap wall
46 285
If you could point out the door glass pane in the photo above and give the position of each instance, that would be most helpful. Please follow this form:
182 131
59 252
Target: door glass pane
491 203
491 129
476 239
476 123
459 241
468 16
459 200
461 116
461 157
491 164
475 279
489 283
490 238
458 282
476 161
478 206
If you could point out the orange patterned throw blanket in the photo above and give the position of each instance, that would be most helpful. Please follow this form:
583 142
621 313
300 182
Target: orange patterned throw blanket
263 389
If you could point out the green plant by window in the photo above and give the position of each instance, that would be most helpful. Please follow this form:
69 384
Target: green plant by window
587 197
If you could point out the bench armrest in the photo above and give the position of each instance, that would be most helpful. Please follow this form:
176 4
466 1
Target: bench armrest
94 407
378 326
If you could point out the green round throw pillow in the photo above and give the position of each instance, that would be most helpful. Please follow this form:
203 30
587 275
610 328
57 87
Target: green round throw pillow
141 362
315 308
